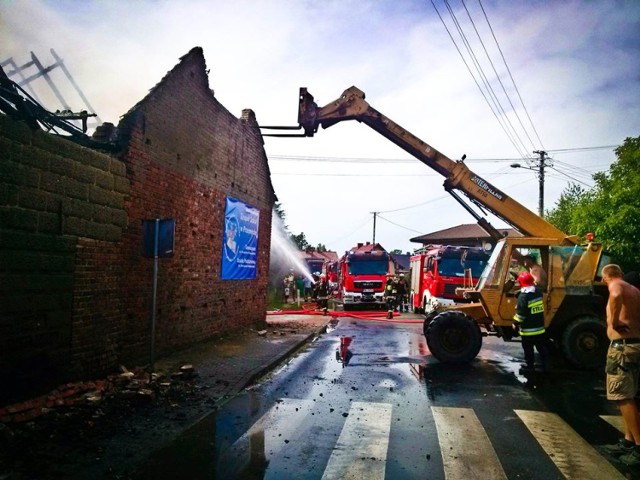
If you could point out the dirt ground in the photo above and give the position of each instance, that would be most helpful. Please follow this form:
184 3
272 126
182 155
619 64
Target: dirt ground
106 437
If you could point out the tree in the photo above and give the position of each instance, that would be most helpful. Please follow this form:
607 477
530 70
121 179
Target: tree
562 215
300 241
611 209
321 248
279 211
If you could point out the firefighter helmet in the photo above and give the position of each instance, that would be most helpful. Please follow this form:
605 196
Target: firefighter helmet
525 279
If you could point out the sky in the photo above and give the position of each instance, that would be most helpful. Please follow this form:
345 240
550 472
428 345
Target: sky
558 76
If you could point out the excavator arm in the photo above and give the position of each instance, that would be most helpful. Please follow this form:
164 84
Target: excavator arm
352 106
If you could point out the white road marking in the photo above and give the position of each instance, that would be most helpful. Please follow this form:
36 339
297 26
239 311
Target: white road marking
361 449
268 436
466 449
573 456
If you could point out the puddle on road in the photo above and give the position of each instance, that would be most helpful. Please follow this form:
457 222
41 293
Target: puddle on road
217 448
332 325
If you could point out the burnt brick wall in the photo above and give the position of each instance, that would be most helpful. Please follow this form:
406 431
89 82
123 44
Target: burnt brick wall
185 154
52 193
75 290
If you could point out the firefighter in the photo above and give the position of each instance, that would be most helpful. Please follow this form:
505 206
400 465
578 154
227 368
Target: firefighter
529 322
402 293
390 292
322 294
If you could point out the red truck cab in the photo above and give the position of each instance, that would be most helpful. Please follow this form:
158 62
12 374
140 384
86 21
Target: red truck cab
362 276
438 272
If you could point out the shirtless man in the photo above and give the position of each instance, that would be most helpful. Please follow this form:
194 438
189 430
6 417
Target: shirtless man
536 271
623 359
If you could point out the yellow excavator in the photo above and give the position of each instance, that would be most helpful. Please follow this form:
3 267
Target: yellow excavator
574 297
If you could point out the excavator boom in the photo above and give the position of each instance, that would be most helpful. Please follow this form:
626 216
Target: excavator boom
352 106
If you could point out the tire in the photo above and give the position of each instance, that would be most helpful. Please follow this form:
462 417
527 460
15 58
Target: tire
428 317
453 337
584 342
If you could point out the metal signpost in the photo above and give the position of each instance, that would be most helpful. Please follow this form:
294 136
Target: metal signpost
158 241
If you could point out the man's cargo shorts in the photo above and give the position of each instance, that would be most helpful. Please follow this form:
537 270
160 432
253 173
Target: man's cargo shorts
623 369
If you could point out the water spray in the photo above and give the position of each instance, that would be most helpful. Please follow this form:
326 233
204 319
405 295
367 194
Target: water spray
284 253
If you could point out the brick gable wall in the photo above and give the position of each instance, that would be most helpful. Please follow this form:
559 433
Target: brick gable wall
75 290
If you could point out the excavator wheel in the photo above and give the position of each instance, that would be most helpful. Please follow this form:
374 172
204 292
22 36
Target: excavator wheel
453 337
428 317
584 342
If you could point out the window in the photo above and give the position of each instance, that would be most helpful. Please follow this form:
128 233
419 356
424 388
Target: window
493 271
376 266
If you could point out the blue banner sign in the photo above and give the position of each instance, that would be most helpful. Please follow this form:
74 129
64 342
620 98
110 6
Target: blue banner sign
240 241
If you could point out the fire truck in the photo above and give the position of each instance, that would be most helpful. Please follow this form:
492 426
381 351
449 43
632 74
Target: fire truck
574 304
362 276
440 274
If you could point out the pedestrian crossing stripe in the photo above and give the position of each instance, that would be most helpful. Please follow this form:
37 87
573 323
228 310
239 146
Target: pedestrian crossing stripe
466 449
361 449
573 456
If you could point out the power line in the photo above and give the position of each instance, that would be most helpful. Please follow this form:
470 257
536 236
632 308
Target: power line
496 73
323 174
300 158
350 233
416 205
397 224
575 170
572 178
476 81
485 80
580 149
510 75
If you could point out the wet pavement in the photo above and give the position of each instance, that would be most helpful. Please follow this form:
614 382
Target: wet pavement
107 436
288 424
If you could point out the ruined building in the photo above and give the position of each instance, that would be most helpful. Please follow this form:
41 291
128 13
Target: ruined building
75 287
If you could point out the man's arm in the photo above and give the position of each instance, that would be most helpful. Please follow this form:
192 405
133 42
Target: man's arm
614 307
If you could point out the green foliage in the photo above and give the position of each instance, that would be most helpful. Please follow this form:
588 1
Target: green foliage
277 207
561 216
611 209
300 240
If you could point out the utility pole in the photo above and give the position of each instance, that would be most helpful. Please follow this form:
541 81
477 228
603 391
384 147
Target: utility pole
375 214
539 169
541 165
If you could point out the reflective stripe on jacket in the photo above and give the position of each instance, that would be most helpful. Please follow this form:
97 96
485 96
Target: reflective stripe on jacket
530 312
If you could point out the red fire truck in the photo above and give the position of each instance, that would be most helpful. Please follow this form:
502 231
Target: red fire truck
362 276
437 272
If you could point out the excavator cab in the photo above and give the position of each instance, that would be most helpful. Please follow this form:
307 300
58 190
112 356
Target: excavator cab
574 306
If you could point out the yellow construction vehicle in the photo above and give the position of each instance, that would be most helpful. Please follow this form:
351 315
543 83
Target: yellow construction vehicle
573 294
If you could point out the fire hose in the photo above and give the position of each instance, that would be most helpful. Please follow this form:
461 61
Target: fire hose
374 316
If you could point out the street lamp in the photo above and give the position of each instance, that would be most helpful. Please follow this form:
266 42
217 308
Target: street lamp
539 168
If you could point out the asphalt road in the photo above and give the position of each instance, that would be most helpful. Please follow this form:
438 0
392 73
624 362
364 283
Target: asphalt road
393 411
